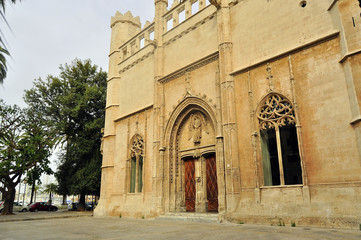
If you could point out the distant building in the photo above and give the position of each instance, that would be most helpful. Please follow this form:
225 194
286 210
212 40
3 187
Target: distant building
247 108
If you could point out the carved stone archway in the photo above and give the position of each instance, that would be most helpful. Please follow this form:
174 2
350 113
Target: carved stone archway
191 136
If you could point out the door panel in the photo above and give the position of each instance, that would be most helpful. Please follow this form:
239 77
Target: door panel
190 185
212 186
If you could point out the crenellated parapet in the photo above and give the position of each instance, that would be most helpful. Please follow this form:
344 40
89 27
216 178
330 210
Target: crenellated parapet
126 18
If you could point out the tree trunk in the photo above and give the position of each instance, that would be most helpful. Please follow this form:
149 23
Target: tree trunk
9 197
32 192
81 206
64 199
49 201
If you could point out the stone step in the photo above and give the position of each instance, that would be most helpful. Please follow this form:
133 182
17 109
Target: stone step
190 217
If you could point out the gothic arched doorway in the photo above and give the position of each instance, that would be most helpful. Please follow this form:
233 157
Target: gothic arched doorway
192 163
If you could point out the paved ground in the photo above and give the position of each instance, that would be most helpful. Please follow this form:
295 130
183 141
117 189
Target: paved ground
115 228
26 216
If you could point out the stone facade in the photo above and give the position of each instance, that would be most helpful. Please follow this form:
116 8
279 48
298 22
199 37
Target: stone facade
248 108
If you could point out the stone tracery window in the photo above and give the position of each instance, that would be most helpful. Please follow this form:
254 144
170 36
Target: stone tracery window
280 153
136 168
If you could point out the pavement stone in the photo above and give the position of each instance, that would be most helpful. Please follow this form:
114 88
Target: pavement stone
27 216
79 228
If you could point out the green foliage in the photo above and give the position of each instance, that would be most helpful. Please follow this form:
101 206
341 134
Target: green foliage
293 224
25 146
50 188
3 50
73 104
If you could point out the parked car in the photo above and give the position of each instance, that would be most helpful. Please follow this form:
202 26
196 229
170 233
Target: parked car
74 206
17 207
42 206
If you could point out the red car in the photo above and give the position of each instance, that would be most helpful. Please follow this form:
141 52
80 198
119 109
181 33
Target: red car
42 206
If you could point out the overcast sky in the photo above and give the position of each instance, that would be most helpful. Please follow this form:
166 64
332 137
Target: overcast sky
47 33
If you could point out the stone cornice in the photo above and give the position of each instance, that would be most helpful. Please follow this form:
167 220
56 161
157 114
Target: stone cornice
113 78
107 166
112 105
355 120
191 67
285 53
350 54
108 136
332 4
133 113
136 61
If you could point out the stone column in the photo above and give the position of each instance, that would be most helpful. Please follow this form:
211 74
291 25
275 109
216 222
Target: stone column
123 28
159 184
231 158
344 13
201 191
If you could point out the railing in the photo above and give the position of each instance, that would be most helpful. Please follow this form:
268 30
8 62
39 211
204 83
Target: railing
181 11
139 41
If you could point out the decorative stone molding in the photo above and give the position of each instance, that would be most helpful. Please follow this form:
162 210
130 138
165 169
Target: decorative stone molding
356 120
276 111
286 53
137 61
350 54
137 146
216 3
225 45
183 71
146 108
227 84
190 102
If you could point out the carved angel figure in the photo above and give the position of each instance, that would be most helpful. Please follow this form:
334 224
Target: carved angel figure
196 124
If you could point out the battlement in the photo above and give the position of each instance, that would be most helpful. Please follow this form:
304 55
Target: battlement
126 18
179 12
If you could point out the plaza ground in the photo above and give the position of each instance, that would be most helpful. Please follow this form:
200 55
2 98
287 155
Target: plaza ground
73 225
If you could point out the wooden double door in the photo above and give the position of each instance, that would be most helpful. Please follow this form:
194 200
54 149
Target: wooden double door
211 184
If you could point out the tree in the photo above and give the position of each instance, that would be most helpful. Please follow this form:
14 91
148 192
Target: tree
3 50
33 179
50 188
24 145
34 190
74 103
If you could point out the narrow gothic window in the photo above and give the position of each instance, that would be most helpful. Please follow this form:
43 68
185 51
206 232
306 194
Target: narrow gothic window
136 164
280 154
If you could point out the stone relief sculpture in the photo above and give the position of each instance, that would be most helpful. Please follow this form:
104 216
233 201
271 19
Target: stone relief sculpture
197 123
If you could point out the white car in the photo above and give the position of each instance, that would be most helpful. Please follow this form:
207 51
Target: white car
17 207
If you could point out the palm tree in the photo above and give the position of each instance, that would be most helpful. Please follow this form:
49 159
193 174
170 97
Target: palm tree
3 50
50 188
34 190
